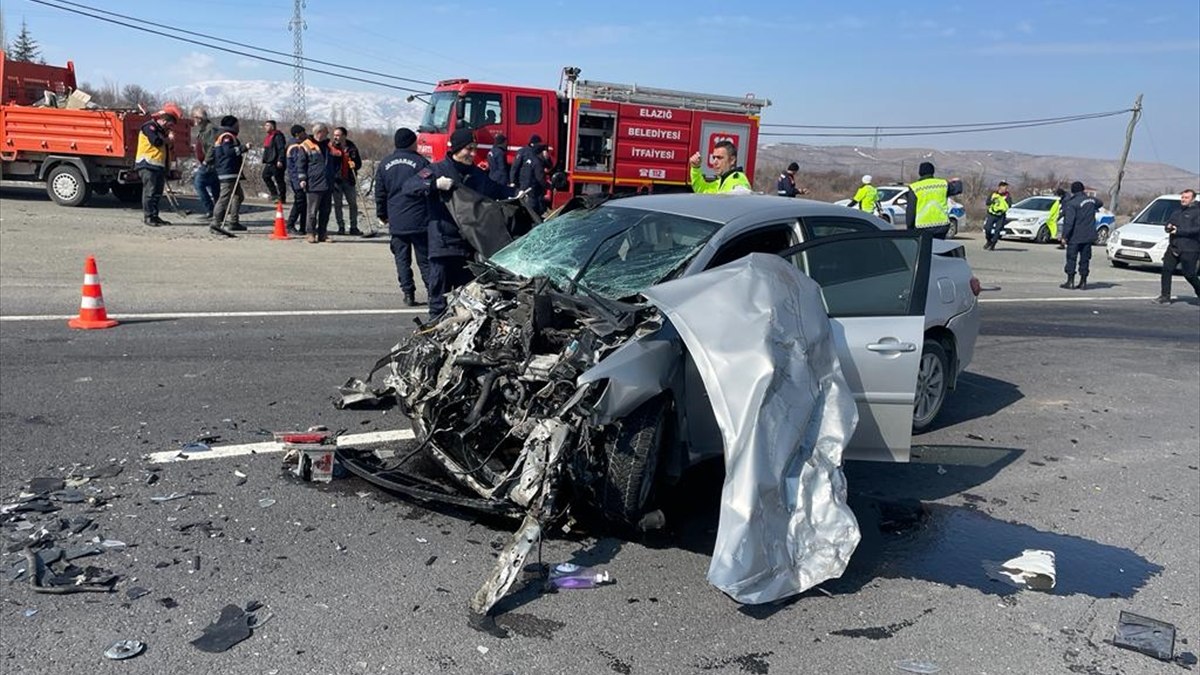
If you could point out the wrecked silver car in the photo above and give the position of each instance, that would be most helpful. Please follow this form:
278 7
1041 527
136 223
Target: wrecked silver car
557 380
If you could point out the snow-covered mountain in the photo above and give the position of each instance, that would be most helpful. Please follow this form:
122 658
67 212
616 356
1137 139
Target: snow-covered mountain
263 99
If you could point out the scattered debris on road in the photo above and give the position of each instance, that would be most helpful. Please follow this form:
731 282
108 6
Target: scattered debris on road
124 649
1146 635
231 627
1032 569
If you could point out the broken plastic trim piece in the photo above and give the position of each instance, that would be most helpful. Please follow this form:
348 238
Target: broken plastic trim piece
1146 635
124 649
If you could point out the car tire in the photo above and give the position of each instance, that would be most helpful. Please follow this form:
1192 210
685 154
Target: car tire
953 231
1043 235
127 193
66 186
933 383
1101 235
1118 263
632 461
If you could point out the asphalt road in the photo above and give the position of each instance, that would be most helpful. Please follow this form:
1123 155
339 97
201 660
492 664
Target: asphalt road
1074 430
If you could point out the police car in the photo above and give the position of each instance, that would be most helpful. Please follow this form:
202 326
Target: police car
1027 220
892 202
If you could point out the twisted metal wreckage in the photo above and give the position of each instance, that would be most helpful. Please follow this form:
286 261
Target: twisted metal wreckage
538 398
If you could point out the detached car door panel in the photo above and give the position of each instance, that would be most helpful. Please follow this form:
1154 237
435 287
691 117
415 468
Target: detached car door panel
874 286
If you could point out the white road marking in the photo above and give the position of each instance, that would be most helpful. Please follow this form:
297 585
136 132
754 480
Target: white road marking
221 315
222 451
370 312
1069 299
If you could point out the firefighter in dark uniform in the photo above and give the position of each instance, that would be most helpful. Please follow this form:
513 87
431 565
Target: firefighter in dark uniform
531 178
497 160
523 153
405 214
786 186
448 250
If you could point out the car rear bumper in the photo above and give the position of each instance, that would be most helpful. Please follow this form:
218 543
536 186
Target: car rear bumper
965 327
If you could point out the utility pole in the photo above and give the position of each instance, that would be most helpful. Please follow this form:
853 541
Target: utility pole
875 140
1133 120
297 26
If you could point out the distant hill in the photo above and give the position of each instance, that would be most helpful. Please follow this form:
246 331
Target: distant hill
984 166
263 99
260 99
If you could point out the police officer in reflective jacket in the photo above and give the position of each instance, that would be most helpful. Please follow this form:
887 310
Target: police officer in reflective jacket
405 214
926 206
448 250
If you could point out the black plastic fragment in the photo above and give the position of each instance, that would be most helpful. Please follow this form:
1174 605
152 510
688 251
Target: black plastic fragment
109 471
1146 635
169 603
136 592
42 486
231 627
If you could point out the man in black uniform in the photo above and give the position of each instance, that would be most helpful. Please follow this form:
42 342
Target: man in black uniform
1183 247
498 160
448 250
1078 234
531 178
786 185
405 214
523 153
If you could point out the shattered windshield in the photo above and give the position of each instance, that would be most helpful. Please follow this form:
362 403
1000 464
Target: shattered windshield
437 114
629 249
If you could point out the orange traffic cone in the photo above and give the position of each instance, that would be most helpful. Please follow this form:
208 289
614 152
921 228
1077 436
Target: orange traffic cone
91 309
280 225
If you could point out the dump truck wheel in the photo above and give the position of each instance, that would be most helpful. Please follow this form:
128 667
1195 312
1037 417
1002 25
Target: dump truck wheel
66 186
632 461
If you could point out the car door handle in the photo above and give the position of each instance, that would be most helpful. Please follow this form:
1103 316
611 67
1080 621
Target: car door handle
892 347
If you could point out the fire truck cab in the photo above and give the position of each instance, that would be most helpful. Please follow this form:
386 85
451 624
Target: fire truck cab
605 138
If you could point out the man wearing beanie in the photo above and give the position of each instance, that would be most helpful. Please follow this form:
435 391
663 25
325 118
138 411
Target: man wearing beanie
448 250
405 214
523 153
927 208
295 155
786 185
497 160
1078 234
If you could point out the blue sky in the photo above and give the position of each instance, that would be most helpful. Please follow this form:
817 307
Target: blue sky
818 62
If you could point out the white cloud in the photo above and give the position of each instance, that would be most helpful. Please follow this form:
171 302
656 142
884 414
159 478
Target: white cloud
1025 27
196 66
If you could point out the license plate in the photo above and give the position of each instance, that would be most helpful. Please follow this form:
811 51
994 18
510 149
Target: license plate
1132 255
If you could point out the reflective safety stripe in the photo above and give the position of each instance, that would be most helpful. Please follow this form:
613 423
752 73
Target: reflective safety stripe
88 302
91 279
932 208
997 204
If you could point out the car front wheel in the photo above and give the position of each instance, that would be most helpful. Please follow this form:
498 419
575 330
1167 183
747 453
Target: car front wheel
1043 235
953 231
1101 236
933 381
632 461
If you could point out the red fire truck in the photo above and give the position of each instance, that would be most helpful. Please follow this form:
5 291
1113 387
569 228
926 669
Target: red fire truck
606 138
76 152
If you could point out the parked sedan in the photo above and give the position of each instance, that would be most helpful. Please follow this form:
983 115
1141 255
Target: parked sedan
1143 241
1027 220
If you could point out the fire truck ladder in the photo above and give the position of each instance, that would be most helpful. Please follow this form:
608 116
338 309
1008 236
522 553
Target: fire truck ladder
669 98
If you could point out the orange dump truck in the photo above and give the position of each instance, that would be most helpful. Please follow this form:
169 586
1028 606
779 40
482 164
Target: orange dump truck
75 151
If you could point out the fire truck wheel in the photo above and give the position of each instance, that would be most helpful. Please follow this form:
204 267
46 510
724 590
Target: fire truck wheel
66 186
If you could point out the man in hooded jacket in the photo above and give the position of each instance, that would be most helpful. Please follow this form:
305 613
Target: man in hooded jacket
448 249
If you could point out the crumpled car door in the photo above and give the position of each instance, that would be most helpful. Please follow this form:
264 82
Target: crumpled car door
874 286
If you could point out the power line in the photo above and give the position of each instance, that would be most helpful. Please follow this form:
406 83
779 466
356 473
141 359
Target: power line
945 131
241 44
259 57
877 127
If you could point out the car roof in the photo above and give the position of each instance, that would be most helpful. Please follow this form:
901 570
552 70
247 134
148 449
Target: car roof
726 208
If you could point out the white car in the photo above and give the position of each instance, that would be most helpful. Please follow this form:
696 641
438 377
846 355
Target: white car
891 208
1143 241
1027 220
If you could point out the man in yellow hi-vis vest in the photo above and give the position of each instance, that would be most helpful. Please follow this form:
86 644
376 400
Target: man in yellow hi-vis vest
997 211
867 196
1055 215
927 208
151 162
729 178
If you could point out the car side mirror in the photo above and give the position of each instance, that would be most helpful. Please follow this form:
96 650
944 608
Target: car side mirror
558 180
901 202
